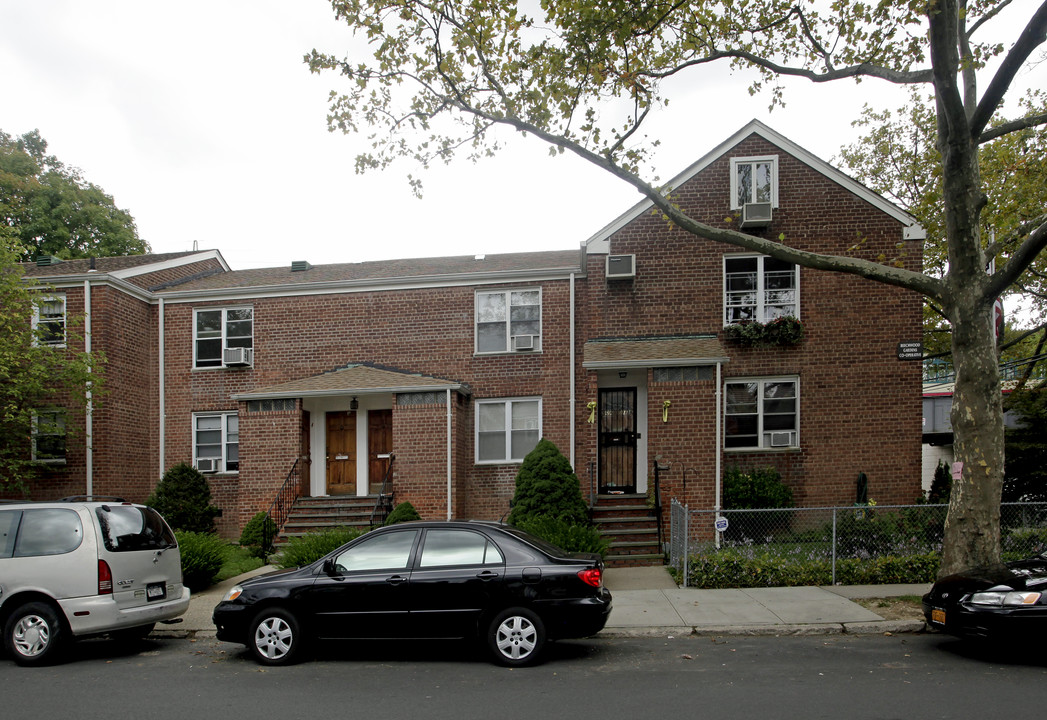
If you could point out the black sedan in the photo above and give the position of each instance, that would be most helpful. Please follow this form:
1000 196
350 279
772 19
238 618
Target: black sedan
995 604
423 580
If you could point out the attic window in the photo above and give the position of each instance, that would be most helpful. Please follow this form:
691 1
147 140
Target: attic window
754 180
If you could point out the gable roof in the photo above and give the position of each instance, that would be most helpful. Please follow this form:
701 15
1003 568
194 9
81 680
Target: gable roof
755 127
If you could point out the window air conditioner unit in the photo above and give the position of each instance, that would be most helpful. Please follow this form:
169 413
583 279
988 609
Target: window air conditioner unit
756 215
620 267
523 342
207 465
234 357
781 439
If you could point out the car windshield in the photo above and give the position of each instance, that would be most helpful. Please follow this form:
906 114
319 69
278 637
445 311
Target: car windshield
126 528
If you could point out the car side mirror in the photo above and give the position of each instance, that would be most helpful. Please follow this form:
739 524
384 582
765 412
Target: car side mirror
328 567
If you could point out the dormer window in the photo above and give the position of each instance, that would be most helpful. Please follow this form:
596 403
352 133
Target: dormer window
754 180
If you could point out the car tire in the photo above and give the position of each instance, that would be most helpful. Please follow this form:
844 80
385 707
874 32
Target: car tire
516 637
34 634
276 637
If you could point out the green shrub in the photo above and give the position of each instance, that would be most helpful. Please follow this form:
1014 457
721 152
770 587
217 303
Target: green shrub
259 534
1025 541
565 535
306 549
202 557
756 489
404 512
747 567
546 486
184 499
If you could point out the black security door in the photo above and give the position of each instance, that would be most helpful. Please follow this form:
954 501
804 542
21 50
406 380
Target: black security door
617 411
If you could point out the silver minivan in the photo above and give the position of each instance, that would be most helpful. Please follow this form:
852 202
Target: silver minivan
82 567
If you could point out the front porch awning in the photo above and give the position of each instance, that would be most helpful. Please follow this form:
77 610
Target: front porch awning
612 353
357 379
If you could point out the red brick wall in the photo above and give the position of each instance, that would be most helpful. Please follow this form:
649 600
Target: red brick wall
859 404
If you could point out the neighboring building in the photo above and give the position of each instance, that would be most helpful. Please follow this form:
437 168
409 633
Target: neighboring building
458 365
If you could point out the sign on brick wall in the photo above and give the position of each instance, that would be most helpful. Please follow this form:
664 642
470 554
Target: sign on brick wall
910 350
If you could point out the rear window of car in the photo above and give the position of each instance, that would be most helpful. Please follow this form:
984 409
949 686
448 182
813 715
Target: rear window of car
47 531
126 528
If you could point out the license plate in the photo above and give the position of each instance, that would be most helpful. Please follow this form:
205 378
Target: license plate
938 616
156 591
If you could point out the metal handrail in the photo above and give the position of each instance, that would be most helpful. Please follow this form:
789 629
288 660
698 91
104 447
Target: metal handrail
384 503
276 515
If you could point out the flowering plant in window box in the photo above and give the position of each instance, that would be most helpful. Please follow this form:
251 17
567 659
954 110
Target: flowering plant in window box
781 331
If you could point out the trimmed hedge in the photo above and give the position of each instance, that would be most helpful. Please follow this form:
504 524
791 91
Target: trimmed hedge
404 512
744 568
255 538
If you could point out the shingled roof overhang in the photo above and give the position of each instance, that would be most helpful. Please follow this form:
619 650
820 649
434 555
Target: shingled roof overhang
608 353
356 380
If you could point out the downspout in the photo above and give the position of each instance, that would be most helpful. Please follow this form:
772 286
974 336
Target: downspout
571 374
89 456
719 443
162 405
448 453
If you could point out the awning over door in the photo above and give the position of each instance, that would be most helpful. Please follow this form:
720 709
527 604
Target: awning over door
360 379
653 352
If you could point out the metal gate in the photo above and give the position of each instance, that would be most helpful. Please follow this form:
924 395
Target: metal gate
617 440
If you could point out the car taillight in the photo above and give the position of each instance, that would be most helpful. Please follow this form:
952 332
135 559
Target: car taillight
105 578
592 576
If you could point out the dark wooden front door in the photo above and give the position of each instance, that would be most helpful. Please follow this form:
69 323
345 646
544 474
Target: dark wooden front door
379 445
617 439
341 453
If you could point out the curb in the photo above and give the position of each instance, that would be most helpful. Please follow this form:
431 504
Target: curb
879 627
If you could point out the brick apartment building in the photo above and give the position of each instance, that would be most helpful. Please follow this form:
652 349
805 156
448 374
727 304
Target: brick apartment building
455 366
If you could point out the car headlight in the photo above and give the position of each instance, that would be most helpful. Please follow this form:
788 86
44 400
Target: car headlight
233 594
1005 599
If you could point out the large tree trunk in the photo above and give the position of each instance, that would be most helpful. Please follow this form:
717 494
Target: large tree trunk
972 529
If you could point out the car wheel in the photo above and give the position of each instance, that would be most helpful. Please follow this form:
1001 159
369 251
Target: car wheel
515 637
276 637
34 634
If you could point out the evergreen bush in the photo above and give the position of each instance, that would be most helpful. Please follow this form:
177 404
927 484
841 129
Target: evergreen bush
756 489
258 535
404 512
546 486
183 497
202 557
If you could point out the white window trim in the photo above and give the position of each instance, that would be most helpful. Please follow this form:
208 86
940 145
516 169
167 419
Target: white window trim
36 434
760 290
65 319
760 431
225 321
735 162
507 403
224 414
508 322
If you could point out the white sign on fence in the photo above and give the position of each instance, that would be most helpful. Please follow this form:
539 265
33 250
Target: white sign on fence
721 524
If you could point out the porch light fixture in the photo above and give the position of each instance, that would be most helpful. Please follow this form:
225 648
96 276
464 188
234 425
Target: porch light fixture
623 374
354 404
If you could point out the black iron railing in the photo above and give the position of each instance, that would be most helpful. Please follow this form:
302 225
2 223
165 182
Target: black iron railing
384 504
276 515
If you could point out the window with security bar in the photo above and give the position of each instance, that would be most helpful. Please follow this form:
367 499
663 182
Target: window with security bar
758 288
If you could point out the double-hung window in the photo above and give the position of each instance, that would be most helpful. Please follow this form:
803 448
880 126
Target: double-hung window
217 330
754 180
49 436
508 321
762 413
49 321
758 288
216 442
506 430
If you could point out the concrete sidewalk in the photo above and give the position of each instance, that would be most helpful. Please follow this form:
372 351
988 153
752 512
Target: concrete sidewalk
647 603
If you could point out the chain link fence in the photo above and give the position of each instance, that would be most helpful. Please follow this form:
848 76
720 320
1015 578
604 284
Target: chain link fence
836 533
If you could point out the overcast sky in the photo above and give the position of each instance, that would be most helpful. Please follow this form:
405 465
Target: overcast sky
200 118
